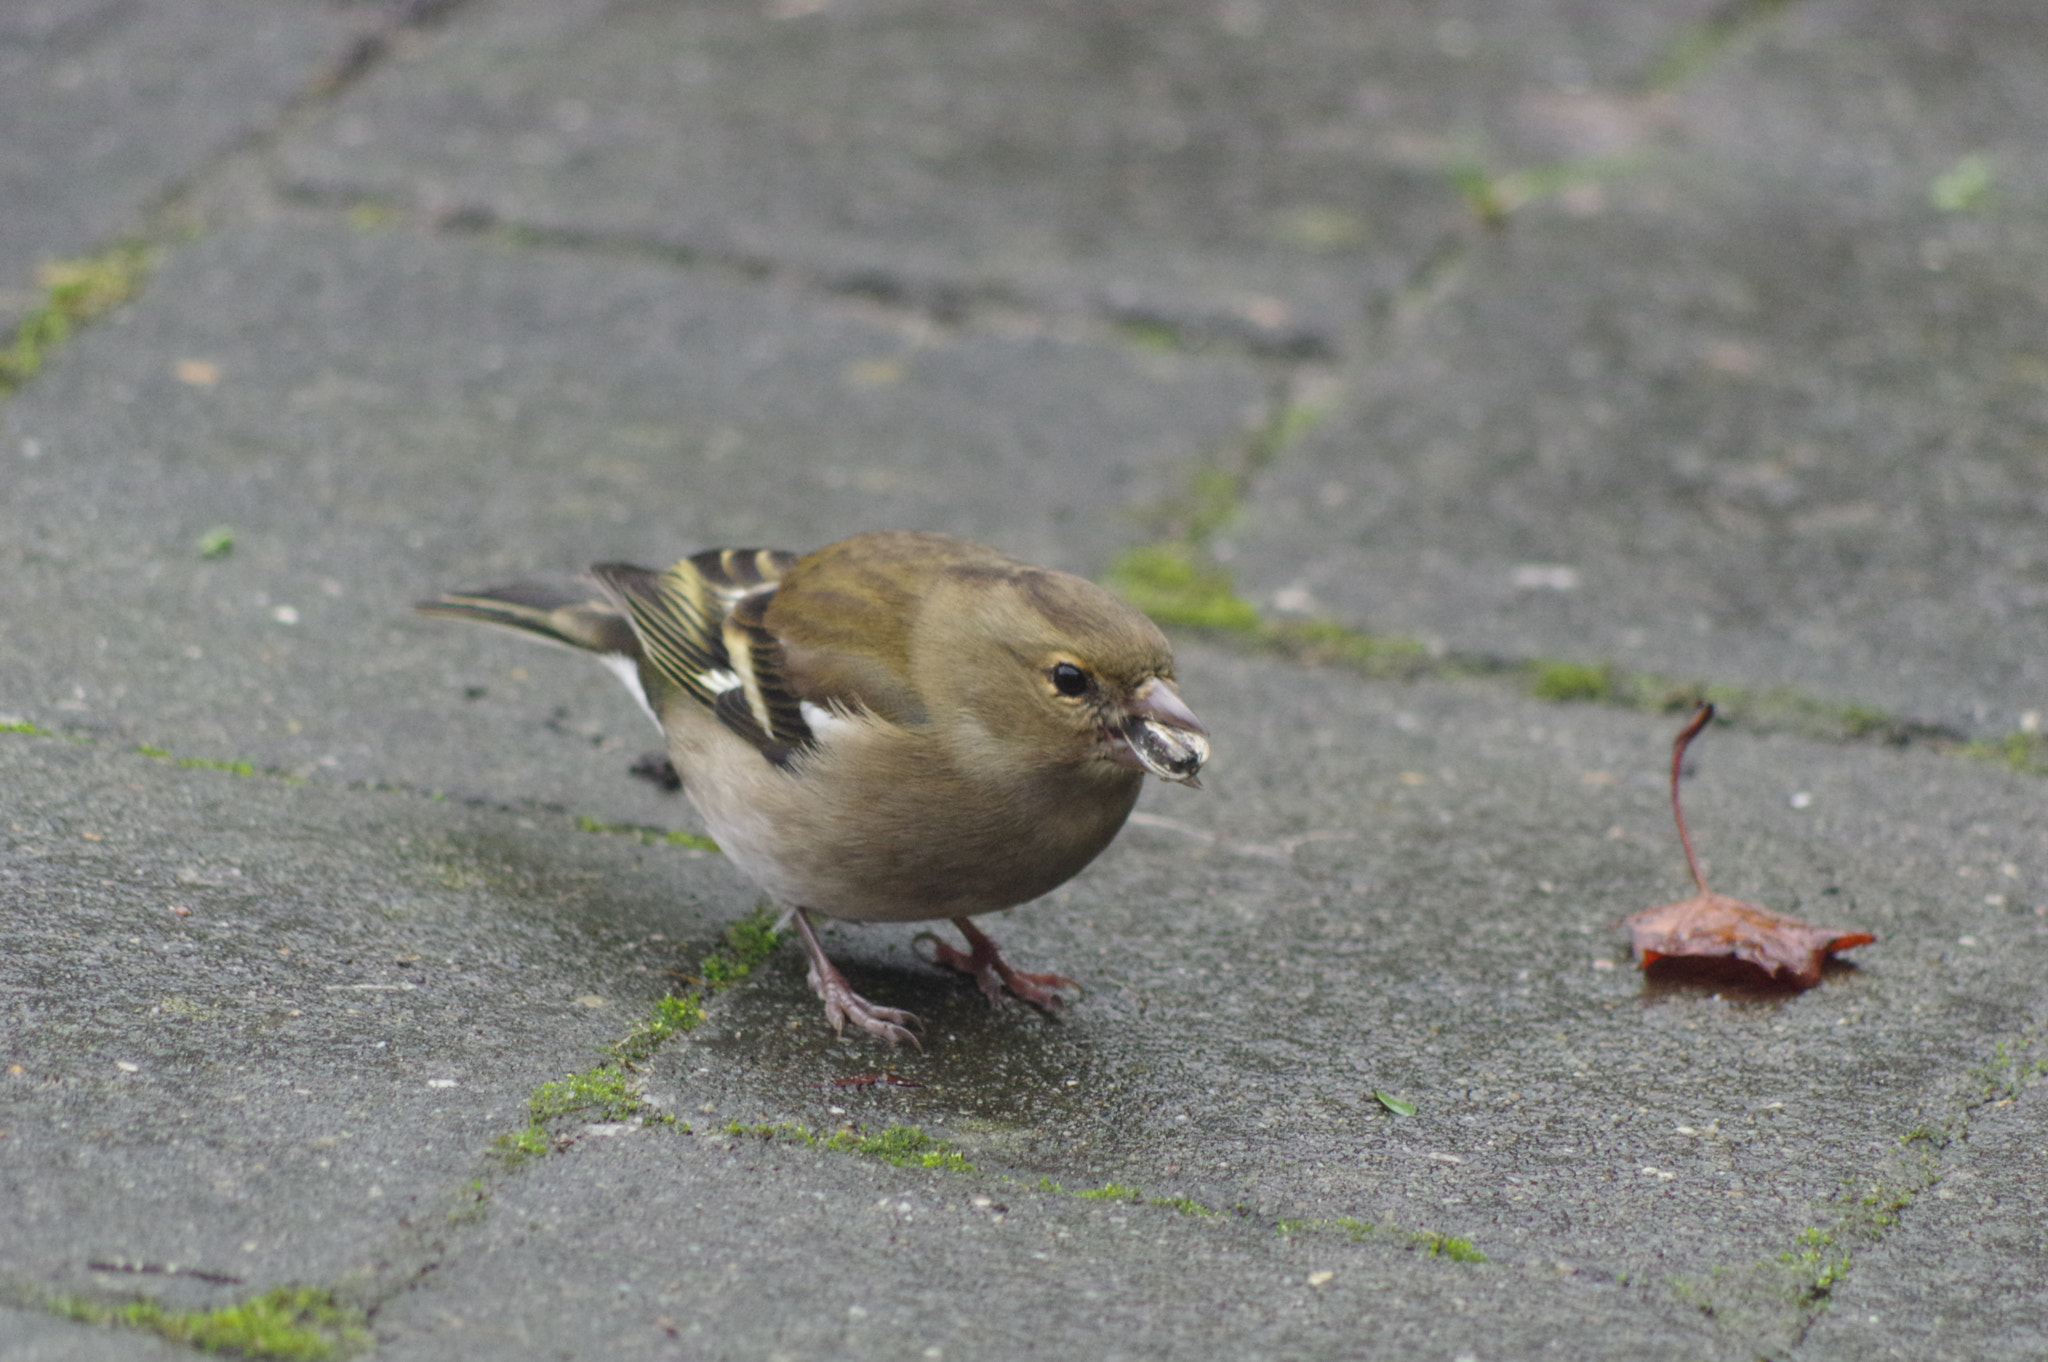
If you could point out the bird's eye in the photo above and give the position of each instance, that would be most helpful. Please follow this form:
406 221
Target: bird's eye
1068 679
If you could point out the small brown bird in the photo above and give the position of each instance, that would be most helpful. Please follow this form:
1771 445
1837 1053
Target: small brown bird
895 728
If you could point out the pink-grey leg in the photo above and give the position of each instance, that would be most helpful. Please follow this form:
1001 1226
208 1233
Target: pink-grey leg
842 1004
985 964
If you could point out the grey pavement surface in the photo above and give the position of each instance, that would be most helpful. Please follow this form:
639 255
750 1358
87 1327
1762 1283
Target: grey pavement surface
1704 340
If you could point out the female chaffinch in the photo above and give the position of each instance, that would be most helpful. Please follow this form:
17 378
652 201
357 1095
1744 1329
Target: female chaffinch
896 727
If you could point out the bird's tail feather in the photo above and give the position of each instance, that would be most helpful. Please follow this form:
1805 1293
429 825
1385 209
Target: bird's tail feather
559 616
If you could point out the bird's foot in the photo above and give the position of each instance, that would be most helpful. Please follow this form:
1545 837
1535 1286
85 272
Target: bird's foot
985 964
843 1005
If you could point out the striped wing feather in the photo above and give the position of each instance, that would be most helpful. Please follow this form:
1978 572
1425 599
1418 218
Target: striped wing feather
700 630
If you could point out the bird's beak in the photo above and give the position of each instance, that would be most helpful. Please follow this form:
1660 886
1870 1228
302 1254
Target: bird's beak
1164 735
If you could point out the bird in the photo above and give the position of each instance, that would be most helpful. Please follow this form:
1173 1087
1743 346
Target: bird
898 727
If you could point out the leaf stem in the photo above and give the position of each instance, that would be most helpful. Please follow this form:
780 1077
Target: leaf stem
1701 717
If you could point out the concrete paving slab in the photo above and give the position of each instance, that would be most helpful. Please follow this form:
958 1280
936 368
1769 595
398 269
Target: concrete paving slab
1962 1275
252 1031
383 416
34 1336
1318 925
1402 888
1250 994
1261 171
1760 412
110 107
1560 462
736 1249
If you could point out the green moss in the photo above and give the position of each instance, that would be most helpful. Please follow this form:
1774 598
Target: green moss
1326 643
217 542
74 292
1700 45
1968 186
748 943
1449 1246
646 835
1572 681
903 1146
1813 1266
671 1016
296 1323
233 768
2022 751
1171 584
2006 1073
608 1093
1114 1191
25 727
1152 334
1185 1205
1493 197
603 1094
517 1146
474 1203
1429 1241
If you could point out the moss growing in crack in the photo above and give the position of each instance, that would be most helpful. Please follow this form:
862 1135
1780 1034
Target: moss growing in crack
1428 1241
1573 681
233 768
1114 1191
748 943
515 1147
1172 584
297 1323
671 1016
1813 1266
74 292
1326 642
1699 46
608 1093
2008 1070
646 835
26 728
2022 751
903 1146
604 1094
1494 197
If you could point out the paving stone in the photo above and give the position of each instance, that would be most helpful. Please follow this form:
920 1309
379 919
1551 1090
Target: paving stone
382 416
1760 413
33 1336
1267 172
1410 889
110 107
291 1081
737 1249
1961 1276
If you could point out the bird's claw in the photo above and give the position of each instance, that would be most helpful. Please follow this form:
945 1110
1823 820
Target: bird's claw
985 965
843 1005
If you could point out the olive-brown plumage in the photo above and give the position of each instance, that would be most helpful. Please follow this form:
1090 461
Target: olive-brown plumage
896 727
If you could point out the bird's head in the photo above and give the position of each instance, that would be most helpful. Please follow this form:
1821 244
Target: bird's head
1055 671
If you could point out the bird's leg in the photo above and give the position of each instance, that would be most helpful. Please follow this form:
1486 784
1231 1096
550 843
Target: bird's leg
842 1004
986 965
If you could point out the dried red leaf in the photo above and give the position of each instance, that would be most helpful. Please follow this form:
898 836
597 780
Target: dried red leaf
1710 926
888 1077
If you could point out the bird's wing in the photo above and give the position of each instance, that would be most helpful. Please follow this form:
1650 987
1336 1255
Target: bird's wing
843 617
700 631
